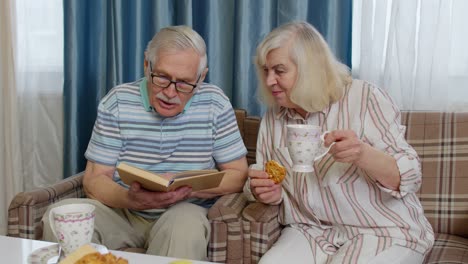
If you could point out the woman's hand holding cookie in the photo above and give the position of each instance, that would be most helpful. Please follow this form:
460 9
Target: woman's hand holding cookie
263 187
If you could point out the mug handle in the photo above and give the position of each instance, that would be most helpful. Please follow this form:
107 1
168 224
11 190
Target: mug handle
322 138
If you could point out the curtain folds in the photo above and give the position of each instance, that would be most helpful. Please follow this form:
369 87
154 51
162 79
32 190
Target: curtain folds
11 180
31 97
105 42
416 50
39 84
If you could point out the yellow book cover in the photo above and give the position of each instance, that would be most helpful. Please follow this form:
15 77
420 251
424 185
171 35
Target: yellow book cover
197 179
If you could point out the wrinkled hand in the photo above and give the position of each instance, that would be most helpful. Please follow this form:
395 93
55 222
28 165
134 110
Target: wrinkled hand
143 199
348 148
264 189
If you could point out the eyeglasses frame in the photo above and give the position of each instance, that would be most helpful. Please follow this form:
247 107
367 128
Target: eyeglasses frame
171 81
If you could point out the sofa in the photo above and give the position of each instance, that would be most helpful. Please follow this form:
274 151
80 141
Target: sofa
242 232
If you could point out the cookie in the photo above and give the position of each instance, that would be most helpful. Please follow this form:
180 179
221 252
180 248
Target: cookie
97 258
275 171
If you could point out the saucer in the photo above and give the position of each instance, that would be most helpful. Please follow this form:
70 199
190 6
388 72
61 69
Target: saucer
49 254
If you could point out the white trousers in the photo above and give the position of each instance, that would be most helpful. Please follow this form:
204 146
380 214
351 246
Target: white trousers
293 247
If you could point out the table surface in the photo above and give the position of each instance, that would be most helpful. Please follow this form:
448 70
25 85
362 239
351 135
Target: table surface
16 250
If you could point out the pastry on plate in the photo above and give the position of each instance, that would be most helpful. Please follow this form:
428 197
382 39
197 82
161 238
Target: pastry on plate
98 258
87 254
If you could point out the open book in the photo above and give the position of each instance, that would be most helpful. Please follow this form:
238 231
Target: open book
197 179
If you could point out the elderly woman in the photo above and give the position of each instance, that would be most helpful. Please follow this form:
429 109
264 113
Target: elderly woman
359 205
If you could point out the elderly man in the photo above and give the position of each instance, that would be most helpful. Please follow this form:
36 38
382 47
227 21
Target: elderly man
167 122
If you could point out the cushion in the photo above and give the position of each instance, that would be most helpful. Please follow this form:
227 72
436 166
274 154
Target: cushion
441 140
448 249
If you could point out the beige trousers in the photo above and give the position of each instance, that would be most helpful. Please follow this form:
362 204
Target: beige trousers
182 231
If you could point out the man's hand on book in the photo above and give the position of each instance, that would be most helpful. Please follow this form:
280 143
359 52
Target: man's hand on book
143 199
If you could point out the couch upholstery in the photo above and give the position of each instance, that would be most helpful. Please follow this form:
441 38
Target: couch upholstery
441 140
242 232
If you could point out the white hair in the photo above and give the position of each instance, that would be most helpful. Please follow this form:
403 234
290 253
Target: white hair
177 38
321 78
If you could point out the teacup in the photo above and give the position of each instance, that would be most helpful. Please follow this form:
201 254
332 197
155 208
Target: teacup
72 225
305 146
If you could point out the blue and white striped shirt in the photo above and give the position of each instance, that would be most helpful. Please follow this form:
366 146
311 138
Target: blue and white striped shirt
128 130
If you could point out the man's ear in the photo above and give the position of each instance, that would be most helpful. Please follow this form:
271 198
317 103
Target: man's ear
145 63
203 75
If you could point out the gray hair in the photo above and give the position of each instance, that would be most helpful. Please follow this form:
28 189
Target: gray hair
321 78
177 38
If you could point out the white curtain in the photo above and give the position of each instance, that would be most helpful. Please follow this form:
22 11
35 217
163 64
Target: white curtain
11 179
414 49
31 106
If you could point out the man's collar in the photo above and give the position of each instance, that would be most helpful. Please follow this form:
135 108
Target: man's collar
144 95
291 113
145 98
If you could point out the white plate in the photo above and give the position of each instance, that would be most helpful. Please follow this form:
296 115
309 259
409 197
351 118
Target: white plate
49 254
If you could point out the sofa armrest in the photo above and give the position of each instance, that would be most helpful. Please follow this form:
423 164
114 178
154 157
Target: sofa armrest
226 241
228 208
27 208
262 229
260 212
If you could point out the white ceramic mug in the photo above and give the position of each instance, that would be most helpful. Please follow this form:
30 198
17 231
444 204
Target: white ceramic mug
305 146
72 225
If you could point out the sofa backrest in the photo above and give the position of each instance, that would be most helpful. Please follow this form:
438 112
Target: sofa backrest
248 126
441 140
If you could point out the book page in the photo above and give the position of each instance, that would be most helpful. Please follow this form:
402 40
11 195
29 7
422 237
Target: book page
197 179
147 179
199 182
190 173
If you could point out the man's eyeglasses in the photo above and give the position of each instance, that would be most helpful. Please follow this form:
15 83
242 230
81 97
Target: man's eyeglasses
164 82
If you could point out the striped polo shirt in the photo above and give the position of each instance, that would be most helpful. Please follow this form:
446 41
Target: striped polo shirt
128 129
